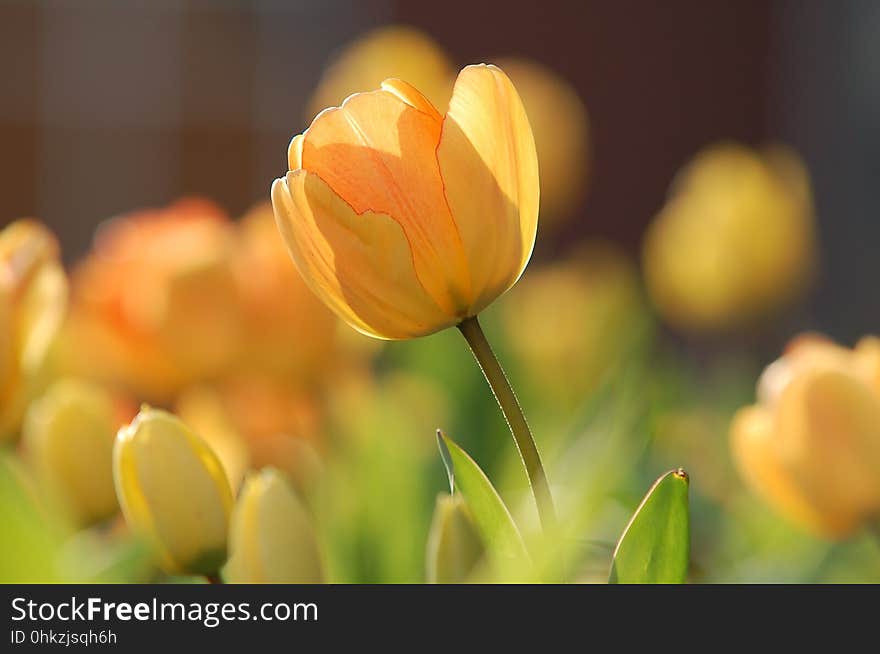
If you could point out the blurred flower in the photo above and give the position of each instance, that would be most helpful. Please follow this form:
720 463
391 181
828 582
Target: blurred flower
271 539
572 321
735 239
33 301
454 545
173 490
404 221
154 303
252 422
562 135
392 51
811 445
69 434
288 333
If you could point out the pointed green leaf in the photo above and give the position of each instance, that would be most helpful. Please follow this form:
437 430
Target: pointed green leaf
655 545
491 517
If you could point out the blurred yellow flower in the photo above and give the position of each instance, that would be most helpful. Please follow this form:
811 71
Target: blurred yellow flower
154 305
33 301
571 321
811 445
271 539
561 127
392 51
454 545
69 434
173 490
404 221
256 421
735 239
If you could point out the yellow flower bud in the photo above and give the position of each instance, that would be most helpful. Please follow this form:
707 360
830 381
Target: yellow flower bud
454 546
735 239
271 539
404 220
33 301
172 489
811 446
69 434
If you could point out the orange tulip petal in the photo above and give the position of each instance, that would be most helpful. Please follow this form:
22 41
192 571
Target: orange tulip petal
754 452
828 426
378 152
359 264
490 172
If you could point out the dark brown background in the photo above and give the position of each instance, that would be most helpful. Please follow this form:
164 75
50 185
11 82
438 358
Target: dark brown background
107 106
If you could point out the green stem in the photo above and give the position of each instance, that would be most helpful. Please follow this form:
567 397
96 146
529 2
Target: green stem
516 421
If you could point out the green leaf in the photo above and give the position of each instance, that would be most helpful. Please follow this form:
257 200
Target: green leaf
655 545
491 517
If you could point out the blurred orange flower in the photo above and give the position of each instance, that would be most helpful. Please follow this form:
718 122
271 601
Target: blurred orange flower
811 445
154 305
404 221
33 300
735 239
288 332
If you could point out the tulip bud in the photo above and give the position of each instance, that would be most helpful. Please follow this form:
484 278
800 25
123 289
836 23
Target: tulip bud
69 434
811 445
271 537
172 488
454 546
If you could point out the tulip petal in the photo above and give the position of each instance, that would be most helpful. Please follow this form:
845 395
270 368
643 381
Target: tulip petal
359 264
828 431
378 152
490 173
753 444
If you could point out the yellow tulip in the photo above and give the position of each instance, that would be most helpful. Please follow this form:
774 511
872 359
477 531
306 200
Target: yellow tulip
561 126
454 545
391 51
271 539
33 301
811 445
735 239
172 489
69 434
405 221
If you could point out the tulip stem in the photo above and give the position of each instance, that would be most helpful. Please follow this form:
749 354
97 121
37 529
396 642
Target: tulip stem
516 421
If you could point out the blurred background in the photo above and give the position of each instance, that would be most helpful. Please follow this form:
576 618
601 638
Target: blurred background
202 97
709 191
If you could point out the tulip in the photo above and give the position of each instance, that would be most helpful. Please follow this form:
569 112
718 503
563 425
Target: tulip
454 545
173 490
69 434
33 300
154 304
811 445
405 221
391 51
271 539
735 240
